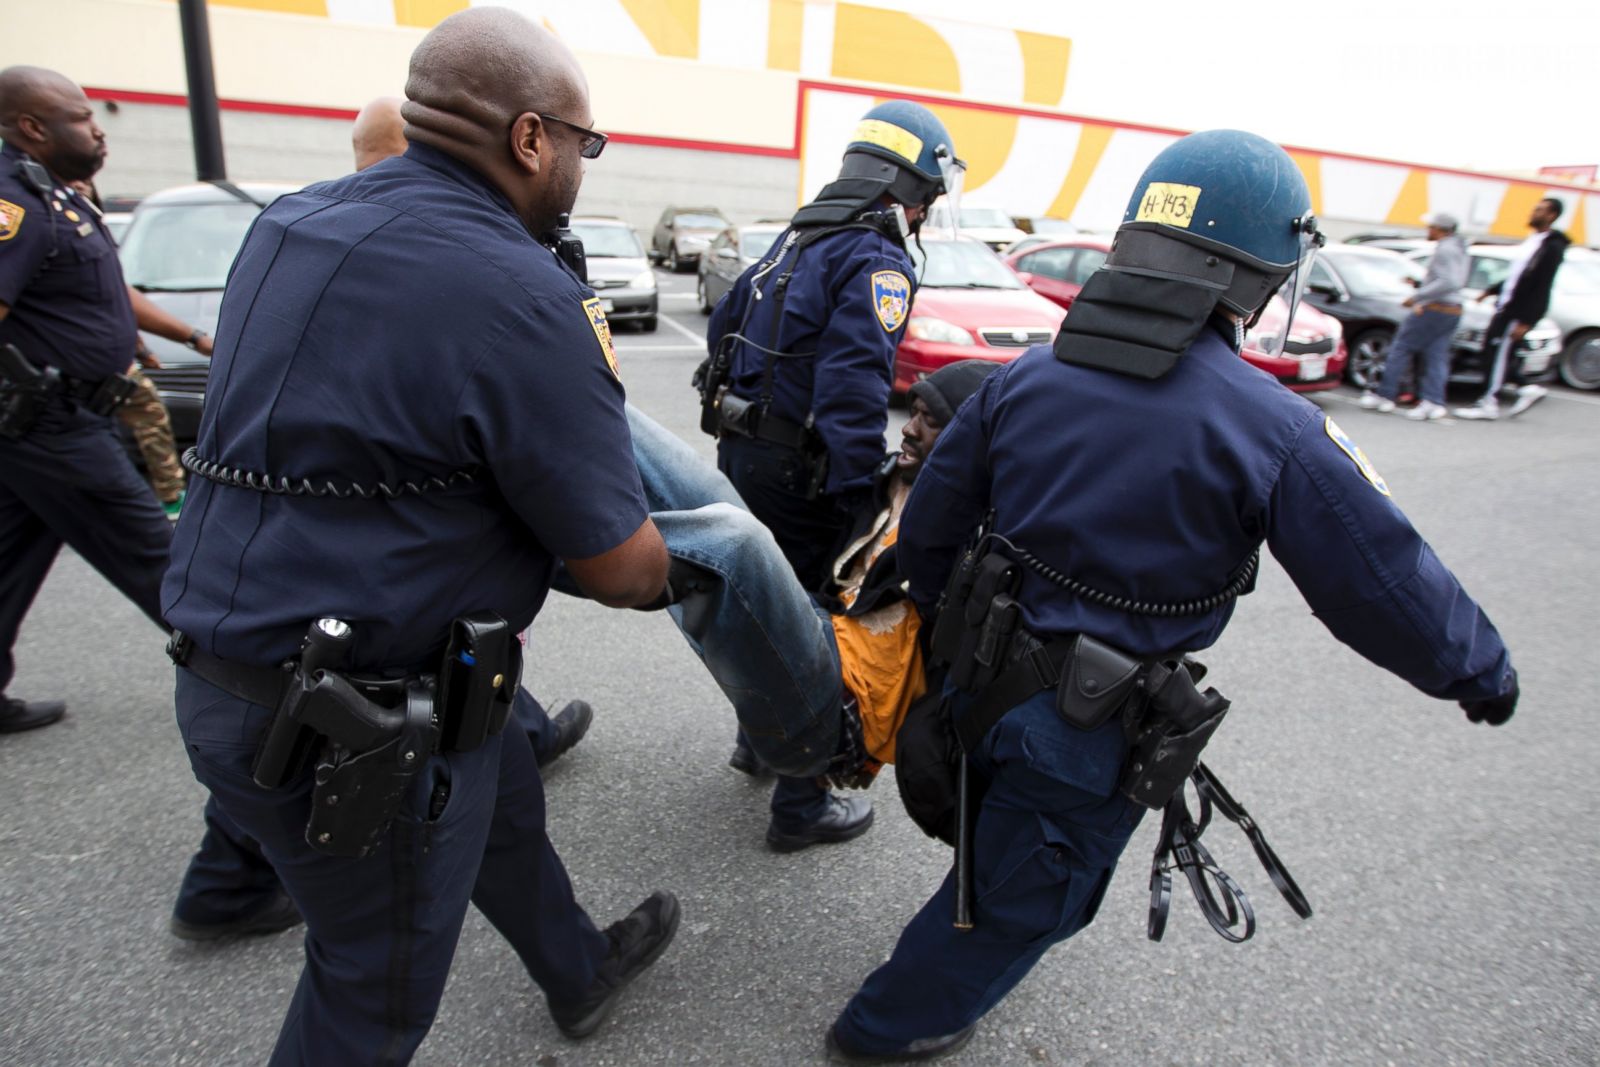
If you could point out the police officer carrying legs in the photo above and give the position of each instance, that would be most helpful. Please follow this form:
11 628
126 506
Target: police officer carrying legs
1132 474
66 335
801 364
414 414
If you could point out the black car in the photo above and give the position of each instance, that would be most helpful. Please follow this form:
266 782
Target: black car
177 251
683 233
1363 287
731 252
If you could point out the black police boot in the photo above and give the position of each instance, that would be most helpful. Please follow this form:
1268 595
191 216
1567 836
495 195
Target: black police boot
572 722
277 914
745 761
19 715
637 940
926 1048
843 819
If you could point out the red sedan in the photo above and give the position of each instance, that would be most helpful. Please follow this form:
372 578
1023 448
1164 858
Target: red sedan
1311 357
969 305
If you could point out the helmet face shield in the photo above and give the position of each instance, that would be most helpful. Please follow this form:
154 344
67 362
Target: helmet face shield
953 177
1311 239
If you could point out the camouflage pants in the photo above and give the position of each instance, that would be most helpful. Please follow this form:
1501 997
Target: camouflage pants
146 416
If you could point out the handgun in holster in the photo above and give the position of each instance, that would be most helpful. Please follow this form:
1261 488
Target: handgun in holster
112 392
711 379
25 391
1166 740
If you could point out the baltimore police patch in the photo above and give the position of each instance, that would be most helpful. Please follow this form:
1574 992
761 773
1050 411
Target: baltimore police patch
1363 464
602 333
10 219
891 298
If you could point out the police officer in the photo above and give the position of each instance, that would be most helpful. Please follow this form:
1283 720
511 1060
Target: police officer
64 312
1142 461
414 413
379 133
805 340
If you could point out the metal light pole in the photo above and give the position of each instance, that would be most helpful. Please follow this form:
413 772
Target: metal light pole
204 118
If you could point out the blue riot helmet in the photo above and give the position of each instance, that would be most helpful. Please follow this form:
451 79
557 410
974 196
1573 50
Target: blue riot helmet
1223 209
900 150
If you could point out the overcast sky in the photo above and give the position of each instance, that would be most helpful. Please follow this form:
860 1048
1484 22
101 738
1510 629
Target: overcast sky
1467 83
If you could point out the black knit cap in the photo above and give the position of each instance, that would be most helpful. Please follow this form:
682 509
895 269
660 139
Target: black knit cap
947 388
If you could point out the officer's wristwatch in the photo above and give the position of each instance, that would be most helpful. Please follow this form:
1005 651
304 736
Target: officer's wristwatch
194 339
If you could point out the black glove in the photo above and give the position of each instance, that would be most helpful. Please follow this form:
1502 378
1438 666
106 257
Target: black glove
1496 710
683 578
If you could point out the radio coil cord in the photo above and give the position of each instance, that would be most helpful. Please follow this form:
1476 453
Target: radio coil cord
285 486
1241 581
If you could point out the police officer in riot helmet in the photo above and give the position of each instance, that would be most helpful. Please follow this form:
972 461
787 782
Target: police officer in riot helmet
797 384
1129 475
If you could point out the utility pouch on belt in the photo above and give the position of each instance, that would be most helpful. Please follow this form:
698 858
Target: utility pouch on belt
1098 681
358 793
24 392
1168 738
478 680
735 414
112 392
980 633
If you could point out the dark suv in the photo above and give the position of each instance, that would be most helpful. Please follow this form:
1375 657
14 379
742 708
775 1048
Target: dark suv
177 251
683 233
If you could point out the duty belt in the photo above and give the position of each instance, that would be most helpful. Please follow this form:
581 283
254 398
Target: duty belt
265 686
1447 309
746 418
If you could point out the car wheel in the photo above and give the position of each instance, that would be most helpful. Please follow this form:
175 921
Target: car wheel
1580 360
705 300
672 259
647 325
1368 352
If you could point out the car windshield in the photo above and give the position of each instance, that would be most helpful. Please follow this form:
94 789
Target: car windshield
697 221
984 217
961 265
608 242
755 245
1376 274
184 247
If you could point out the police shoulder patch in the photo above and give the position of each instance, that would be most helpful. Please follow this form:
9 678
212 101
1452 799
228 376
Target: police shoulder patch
602 333
891 298
1358 457
10 219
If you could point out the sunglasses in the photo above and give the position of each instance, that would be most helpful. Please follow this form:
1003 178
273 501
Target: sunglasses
593 142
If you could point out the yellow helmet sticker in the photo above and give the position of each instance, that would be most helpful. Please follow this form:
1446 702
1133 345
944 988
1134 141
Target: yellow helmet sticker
1363 464
1168 203
10 219
903 143
602 333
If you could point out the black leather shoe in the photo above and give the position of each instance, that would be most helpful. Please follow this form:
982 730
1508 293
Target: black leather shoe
745 761
19 715
845 818
572 722
637 940
926 1048
278 914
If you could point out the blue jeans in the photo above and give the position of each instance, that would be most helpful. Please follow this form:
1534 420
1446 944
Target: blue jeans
1050 829
762 638
1423 336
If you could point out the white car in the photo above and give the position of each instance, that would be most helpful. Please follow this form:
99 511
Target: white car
990 225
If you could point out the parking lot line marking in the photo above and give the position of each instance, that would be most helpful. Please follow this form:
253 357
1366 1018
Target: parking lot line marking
680 296
690 334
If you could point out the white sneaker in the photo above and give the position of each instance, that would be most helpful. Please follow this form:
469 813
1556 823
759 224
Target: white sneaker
1487 408
1371 401
1426 411
1527 396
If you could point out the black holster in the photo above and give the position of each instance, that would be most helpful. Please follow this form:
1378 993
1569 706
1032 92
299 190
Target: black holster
1167 739
25 391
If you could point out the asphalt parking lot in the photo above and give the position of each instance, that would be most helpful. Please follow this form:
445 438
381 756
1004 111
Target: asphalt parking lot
1451 866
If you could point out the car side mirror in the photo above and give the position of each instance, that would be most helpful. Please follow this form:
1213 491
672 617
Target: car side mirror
1324 290
1026 276
727 253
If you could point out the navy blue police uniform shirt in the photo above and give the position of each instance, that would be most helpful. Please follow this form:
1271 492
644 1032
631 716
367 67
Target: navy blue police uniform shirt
1160 490
60 276
846 309
394 326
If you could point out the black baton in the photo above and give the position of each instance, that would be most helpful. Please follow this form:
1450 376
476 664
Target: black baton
962 870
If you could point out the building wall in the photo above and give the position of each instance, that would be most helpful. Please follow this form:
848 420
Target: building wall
741 103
